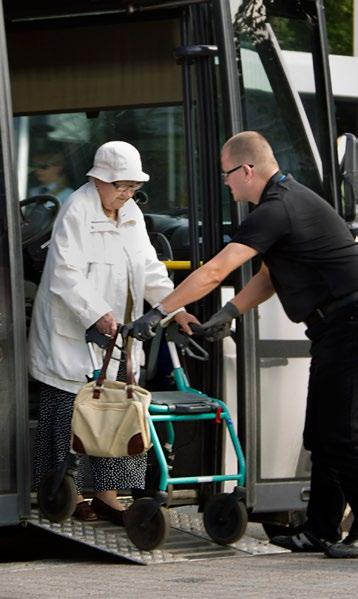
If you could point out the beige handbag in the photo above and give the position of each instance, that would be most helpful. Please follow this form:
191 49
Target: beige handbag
110 418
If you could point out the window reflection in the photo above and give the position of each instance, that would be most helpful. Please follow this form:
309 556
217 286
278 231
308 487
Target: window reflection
48 173
60 150
264 112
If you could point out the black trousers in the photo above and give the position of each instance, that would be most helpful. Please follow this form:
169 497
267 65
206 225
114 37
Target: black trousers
331 427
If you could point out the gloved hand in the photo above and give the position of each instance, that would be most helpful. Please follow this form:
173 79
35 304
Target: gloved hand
143 327
219 325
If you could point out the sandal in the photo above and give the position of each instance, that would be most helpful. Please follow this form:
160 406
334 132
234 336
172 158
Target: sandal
84 512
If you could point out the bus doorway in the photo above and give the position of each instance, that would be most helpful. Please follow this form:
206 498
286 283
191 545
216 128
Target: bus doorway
174 79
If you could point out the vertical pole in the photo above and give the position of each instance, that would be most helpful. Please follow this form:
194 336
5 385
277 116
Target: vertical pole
16 278
355 27
190 145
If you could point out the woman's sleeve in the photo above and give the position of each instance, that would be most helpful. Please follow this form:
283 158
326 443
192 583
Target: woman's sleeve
157 282
69 264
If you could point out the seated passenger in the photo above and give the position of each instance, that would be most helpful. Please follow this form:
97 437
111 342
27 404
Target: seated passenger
50 174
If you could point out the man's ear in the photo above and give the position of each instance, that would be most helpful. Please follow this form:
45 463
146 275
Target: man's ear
248 171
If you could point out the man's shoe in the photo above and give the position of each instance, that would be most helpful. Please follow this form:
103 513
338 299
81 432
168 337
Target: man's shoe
348 548
302 542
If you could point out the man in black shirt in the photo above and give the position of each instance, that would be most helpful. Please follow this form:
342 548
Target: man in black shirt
310 260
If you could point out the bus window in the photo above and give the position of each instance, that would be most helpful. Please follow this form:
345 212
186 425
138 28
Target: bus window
62 146
265 111
270 105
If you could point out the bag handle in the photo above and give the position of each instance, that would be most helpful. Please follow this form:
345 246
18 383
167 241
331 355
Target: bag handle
127 349
129 368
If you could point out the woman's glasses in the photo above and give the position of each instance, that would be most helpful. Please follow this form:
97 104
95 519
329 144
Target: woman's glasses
118 186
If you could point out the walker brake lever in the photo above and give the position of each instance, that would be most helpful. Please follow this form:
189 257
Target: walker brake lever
183 341
201 354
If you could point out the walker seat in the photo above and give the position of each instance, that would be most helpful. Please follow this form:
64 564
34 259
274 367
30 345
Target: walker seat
182 403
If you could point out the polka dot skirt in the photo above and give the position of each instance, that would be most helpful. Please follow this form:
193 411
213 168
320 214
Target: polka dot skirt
53 443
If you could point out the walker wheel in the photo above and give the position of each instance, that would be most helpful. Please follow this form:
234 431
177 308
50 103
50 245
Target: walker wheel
61 506
147 524
225 518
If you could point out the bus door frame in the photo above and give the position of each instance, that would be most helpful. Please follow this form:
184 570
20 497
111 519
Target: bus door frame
14 506
273 495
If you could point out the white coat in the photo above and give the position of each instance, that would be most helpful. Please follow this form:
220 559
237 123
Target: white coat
90 263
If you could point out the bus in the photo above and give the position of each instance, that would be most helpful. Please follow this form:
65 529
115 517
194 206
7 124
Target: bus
175 78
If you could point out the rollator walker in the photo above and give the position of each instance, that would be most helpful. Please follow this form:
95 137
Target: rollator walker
147 521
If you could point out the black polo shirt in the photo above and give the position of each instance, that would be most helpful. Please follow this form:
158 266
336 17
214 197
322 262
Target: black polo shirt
307 247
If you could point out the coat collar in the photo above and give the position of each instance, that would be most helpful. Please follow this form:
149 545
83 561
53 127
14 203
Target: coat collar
128 213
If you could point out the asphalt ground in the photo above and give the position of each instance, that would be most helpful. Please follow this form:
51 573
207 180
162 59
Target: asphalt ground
36 564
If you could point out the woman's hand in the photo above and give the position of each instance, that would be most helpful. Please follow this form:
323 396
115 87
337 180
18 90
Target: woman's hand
107 324
184 319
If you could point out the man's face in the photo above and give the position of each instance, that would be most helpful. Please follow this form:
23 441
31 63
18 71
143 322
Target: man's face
234 176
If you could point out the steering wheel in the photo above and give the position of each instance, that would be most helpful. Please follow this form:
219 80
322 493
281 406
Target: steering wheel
37 223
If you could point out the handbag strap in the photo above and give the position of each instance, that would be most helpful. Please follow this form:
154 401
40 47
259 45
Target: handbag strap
103 372
127 346
127 349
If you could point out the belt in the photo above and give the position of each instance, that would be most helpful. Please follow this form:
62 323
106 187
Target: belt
321 313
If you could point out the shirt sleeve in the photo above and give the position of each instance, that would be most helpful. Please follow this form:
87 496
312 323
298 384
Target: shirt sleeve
266 225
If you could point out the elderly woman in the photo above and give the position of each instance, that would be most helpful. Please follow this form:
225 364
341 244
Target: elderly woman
99 269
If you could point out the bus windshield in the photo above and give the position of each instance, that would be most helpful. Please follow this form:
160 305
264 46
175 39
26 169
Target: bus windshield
271 103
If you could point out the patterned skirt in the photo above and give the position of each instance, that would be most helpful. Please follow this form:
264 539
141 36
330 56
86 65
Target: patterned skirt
53 443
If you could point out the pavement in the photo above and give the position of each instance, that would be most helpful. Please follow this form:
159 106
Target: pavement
36 564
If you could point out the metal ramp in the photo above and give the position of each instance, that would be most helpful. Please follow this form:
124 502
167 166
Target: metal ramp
187 540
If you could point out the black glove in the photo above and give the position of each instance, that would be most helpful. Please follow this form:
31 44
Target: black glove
219 325
143 327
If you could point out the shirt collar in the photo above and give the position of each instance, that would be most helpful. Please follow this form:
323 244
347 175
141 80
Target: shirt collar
276 178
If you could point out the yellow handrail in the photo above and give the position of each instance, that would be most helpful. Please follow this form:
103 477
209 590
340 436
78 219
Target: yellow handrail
178 264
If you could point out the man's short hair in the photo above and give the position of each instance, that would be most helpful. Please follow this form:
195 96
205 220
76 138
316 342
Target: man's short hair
251 147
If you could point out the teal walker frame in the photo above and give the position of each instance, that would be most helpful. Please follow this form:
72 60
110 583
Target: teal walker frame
159 413
225 515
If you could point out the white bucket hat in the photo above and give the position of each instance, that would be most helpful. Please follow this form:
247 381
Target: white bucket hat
117 161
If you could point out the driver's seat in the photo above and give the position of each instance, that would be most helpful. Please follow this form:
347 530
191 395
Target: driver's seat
36 228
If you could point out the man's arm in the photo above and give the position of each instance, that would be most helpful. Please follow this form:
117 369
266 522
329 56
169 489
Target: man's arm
198 284
258 290
206 278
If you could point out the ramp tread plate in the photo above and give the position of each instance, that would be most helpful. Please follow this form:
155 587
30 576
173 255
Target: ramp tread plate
187 540
194 524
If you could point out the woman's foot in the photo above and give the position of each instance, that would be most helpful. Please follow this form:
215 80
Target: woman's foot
110 499
113 513
84 512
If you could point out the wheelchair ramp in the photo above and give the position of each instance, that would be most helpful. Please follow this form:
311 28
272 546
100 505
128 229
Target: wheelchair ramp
187 540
